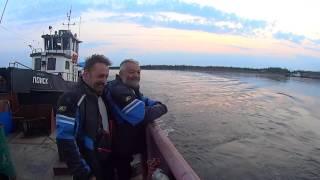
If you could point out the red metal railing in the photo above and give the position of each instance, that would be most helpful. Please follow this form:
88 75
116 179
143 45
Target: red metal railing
171 161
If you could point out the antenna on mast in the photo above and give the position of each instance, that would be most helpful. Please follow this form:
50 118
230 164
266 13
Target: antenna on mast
3 10
69 16
79 26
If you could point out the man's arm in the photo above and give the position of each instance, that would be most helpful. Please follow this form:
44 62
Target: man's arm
155 111
148 101
125 104
67 121
135 110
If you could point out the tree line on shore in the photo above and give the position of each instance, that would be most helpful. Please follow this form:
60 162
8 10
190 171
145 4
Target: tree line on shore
269 70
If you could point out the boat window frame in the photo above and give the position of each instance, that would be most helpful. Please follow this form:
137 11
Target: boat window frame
50 64
3 84
67 65
37 64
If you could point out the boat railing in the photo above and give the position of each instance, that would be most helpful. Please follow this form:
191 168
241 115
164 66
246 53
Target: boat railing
63 51
66 75
171 161
17 64
36 50
43 52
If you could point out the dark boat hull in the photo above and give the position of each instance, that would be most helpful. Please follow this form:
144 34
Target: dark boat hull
33 96
27 80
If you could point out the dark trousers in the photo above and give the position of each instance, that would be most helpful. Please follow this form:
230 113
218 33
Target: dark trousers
4 177
105 171
128 141
123 167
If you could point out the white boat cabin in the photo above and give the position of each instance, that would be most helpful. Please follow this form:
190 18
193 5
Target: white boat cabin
59 55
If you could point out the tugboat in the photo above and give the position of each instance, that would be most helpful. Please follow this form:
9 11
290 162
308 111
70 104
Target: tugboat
33 92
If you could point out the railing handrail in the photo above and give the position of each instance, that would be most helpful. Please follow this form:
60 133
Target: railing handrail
177 164
18 63
57 72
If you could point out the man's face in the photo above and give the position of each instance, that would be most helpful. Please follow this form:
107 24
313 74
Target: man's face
130 75
96 77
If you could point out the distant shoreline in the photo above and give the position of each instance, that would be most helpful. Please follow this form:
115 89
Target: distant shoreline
272 71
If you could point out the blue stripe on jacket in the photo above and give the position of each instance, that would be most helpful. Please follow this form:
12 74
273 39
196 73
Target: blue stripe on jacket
65 127
66 140
133 114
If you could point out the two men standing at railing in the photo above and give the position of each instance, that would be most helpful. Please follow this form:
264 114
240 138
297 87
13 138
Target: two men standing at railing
99 126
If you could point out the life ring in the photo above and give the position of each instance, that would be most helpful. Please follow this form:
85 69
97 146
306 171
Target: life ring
74 58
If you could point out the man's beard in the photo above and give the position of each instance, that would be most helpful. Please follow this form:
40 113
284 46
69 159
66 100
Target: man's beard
132 83
98 87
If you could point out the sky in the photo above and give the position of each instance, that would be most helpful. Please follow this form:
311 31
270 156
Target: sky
237 33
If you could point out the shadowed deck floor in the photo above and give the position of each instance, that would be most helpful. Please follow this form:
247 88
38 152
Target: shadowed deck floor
34 157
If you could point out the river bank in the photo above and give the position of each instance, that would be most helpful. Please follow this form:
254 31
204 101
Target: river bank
264 72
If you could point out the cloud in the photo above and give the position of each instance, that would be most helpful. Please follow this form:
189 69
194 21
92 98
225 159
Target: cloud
165 13
95 44
317 41
181 15
176 28
298 39
179 21
305 42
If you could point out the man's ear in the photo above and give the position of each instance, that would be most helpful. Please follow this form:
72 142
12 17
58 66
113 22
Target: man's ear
85 74
121 74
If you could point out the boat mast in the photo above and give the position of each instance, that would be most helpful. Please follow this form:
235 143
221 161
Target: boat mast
3 11
79 26
69 16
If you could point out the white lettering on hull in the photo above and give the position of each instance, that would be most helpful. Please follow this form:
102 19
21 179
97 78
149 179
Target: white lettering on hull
39 80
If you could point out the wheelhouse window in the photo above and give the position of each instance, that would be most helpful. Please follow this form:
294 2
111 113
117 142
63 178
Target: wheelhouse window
66 43
3 84
67 65
51 64
37 64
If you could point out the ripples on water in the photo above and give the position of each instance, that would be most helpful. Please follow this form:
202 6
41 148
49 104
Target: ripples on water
231 126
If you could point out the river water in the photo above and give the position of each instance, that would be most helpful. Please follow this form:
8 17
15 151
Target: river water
237 126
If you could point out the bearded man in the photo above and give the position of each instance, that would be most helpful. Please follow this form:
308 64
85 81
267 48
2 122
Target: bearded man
132 112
